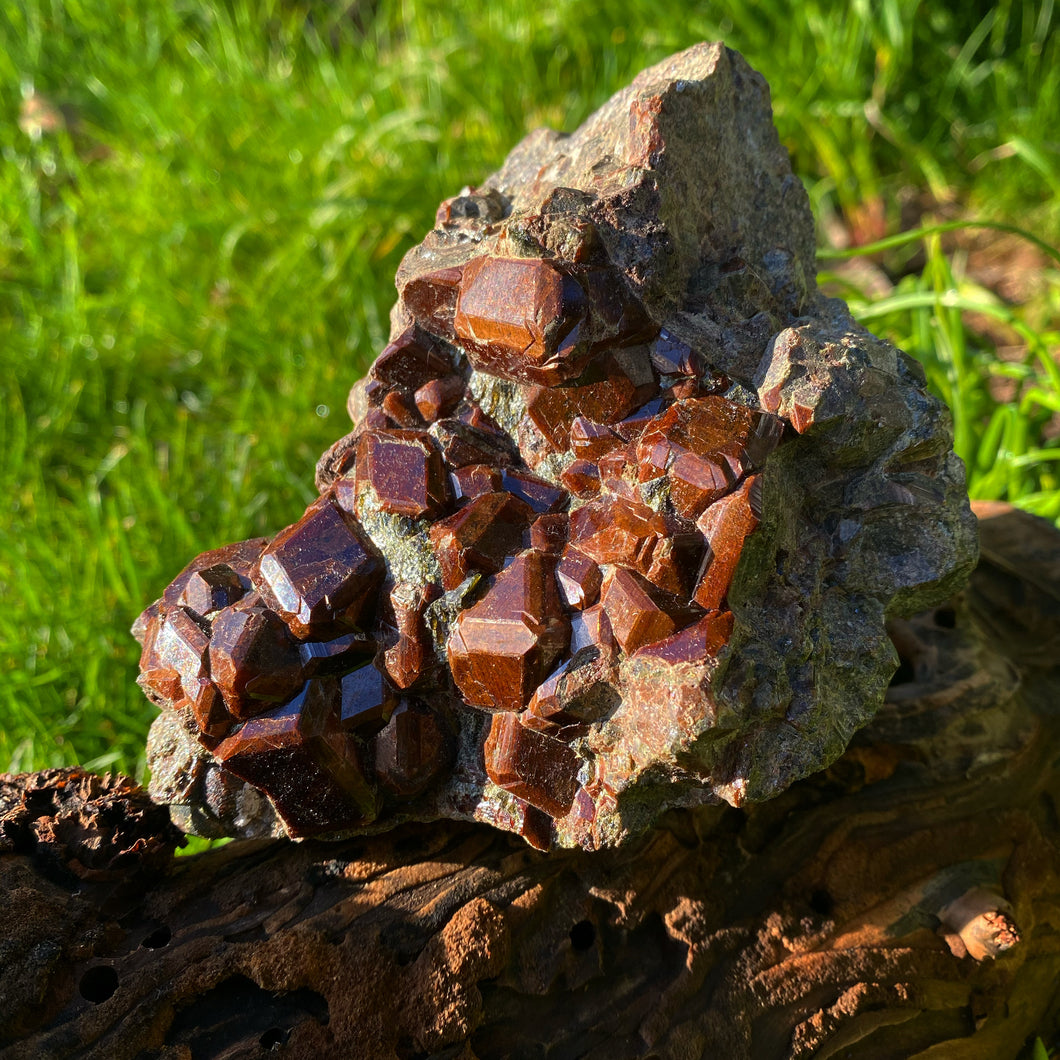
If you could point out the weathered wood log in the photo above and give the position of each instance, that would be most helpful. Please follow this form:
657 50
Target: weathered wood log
904 902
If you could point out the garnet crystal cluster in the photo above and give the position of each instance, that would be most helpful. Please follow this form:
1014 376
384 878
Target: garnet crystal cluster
623 511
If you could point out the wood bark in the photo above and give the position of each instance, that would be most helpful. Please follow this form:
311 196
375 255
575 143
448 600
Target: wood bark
904 902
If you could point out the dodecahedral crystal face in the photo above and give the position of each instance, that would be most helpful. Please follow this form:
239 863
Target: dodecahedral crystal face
610 532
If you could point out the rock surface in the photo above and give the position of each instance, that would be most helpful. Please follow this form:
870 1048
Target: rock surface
624 510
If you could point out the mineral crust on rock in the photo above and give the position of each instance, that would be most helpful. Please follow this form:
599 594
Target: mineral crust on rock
624 509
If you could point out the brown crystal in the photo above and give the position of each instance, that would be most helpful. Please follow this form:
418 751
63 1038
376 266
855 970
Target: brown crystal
548 533
540 494
182 647
438 397
725 525
466 443
254 660
479 536
578 579
400 409
704 445
335 656
501 648
159 680
635 617
431 299
322 572
518 318
580 691
591 628
582 478
532 765
675 563
240 556
411 750
411 360
474 480
618 470
604 394
408 660
213 588
670 356
590 440
405 470
367 700
298 755
695 643
617 530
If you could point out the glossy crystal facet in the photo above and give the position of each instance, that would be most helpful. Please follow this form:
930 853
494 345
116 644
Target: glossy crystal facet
502 647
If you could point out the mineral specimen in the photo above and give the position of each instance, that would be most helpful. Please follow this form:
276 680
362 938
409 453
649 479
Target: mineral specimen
625 506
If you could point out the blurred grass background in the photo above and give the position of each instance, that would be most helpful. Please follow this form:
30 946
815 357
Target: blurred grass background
202 206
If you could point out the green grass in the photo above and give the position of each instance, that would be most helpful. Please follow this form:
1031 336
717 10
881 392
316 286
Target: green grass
195 269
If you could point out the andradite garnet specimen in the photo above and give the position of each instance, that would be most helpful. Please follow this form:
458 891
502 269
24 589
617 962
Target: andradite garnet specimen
525 595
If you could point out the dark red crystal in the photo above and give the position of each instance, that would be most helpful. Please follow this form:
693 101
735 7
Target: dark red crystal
617 530
537 492
704 446
725 525
405 471
605 393
240 556
466 443
411 750
410 361
578 578
181 648
582 478
438 397
335 656
322 573
695 643
299 756
501 648
474 480
254 660
548 533
431 299
518 318
408 660
532 765
213 588
479 536
636 618
367 700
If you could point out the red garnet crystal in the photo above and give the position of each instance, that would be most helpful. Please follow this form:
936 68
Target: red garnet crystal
533 765
405 471
501 648
523 596
300 756
519 319
322 572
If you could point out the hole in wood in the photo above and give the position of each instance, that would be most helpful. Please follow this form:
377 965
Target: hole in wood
158 938
98 984
273 1038
582 935
822 902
